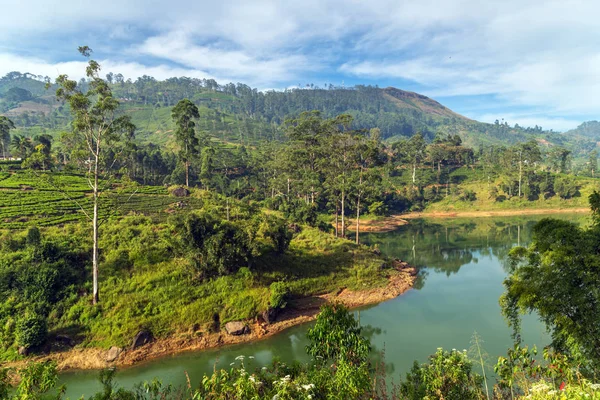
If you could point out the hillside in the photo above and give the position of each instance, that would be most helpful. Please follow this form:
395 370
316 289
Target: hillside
240 114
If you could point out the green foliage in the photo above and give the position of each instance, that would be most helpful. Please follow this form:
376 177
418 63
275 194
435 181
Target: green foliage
378 208
280 293
565 187
556 277
337 335
31 330
448 375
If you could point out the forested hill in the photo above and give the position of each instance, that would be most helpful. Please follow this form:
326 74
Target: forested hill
239 113
589 129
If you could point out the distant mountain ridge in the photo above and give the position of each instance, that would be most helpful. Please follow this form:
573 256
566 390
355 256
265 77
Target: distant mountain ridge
239 113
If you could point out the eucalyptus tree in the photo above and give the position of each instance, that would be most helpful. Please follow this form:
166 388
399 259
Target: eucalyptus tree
5 126
183 115
368 155
97 126
411 151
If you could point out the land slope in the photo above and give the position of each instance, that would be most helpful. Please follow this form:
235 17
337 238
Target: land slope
240 114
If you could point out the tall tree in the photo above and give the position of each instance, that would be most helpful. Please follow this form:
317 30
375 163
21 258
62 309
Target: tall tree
5 126
22 146
593 162
97 126
183 115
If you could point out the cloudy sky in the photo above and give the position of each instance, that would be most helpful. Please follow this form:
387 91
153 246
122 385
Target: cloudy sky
527 61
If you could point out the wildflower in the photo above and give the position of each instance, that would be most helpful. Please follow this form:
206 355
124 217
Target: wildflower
239 358
251 357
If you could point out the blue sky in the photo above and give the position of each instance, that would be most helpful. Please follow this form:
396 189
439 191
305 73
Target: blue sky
527 61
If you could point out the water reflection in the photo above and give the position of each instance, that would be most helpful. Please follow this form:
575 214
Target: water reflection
444 246
463 264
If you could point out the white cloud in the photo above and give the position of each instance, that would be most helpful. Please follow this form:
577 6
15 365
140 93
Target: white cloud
76 69
179 47
556 123
540 53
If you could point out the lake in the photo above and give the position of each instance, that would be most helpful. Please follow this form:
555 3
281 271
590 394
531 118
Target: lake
462 263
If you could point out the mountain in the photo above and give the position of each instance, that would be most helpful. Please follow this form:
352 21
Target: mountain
589 129
238 113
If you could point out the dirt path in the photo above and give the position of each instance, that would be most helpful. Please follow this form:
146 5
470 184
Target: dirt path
392 222
298 312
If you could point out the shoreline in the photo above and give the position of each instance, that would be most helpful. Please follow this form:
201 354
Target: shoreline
299 311
393 222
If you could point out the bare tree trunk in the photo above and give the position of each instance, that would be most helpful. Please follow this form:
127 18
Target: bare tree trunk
343 215
358 208
520 175
95 295
336 220
187 173
357 218
414 173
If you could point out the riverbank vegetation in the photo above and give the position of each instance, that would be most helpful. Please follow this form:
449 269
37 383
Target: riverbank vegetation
105 238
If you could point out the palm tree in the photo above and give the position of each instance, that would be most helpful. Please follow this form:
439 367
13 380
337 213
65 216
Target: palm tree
22 146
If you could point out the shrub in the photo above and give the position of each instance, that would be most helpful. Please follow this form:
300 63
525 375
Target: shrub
378 208
280 292
448 375
468 195
32 330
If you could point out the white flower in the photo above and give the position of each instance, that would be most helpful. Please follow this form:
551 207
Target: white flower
239 358
231 363
251 357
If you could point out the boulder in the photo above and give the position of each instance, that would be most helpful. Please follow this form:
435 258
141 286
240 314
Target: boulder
269 315
113 353
180 192
143 337
237 328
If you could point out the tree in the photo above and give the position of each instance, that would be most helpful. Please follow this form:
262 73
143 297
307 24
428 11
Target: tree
557 277
593 162
411 151
5 126
97 126
183 115
337 335
22 146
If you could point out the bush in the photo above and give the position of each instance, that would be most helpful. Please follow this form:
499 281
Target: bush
448 375
468 195
280 292
32 330
378 208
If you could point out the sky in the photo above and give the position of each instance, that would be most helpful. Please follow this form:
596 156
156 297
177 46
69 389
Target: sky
531 62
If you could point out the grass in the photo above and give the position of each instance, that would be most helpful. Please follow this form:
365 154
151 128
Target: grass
485 202
161 293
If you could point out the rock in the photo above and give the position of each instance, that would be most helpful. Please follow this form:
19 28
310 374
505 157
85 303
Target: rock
180 192
237 328
64 340
113 353
23 351
269 315
143 337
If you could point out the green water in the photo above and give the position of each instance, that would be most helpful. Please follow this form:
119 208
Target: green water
463 264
